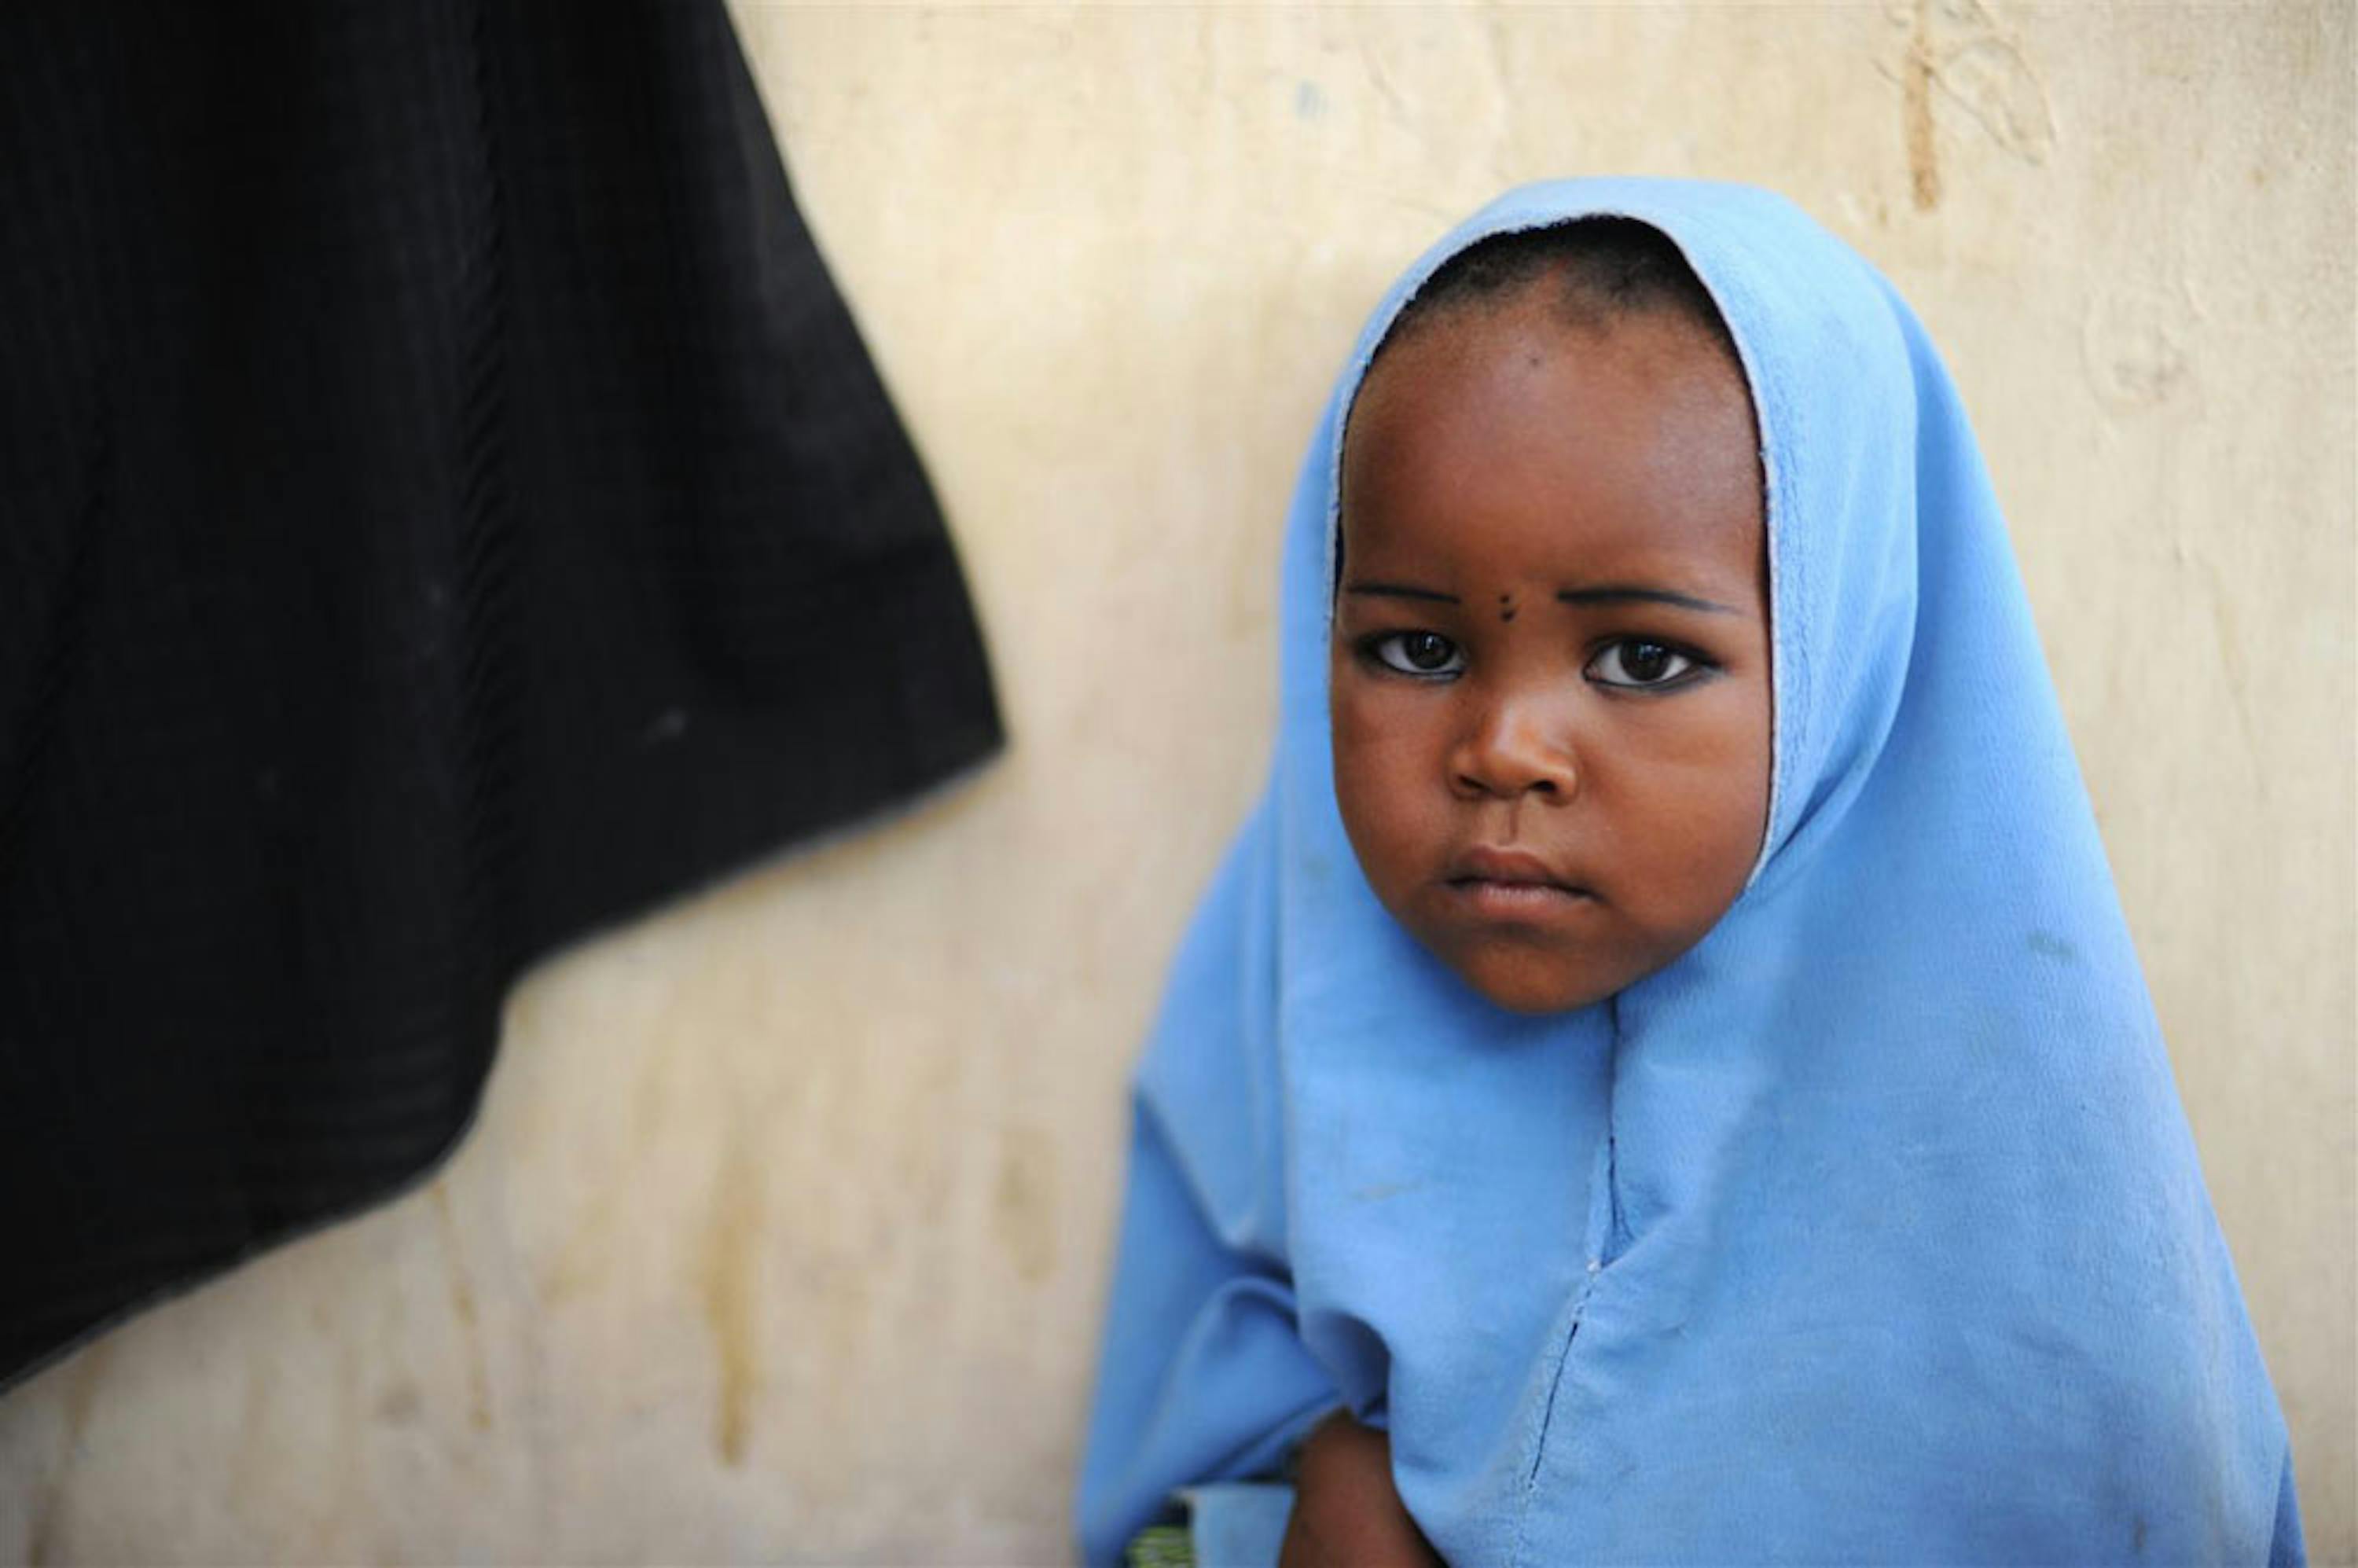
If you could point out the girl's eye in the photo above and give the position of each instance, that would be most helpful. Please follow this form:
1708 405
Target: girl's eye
1418 653
1634 661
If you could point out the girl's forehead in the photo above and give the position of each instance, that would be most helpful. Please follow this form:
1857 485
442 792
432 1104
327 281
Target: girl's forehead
1512 443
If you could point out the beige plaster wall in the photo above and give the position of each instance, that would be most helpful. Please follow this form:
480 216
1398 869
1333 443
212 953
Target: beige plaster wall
782 1233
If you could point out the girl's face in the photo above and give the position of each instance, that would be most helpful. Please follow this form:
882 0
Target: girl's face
1549 678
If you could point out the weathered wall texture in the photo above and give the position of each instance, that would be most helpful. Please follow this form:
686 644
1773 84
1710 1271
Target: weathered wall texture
783 1231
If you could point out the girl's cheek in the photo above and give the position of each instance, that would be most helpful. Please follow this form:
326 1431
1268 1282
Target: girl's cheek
1379 732
1718 730
1356 709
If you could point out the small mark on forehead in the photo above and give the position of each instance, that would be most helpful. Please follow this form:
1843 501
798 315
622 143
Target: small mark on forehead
1506 607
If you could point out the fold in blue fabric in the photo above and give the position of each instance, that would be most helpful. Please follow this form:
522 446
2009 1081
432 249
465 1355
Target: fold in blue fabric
1870 1230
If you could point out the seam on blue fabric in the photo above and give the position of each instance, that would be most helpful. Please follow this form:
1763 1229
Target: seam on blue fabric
1556 1388
1788 607
1783 443
1546 1423
1617 1235
1604 1206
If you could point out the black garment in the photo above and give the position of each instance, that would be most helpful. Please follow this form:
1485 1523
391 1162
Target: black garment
444 505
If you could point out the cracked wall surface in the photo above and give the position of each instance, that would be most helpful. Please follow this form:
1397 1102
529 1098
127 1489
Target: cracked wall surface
783 1230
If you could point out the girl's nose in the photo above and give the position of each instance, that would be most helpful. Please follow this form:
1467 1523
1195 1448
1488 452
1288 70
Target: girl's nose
1515 750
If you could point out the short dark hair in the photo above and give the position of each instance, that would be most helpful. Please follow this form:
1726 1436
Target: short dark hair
1602 269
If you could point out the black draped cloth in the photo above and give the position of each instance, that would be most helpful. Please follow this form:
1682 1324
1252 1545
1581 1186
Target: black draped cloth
444 506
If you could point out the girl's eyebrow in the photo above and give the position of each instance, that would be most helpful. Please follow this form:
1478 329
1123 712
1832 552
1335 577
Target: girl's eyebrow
1624 593
1400 590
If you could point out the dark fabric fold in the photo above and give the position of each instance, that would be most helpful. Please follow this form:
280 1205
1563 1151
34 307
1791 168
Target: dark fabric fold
445 506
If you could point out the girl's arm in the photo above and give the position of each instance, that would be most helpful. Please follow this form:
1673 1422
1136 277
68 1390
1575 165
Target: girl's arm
1348 1512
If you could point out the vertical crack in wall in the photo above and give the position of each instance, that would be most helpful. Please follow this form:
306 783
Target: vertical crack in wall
731 1309
1916 97
462 1309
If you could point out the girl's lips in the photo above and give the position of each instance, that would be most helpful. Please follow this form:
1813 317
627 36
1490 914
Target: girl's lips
1516 901
1506 883
1507 867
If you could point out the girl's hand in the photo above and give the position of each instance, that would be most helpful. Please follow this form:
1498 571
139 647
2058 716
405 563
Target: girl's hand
1346 1512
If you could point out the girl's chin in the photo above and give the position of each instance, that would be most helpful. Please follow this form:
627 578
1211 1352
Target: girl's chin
1525 983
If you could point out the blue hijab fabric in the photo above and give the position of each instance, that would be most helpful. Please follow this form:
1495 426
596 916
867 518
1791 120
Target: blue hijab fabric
1869 1231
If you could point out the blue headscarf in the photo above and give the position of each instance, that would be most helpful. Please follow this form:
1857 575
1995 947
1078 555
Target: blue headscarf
1870 1230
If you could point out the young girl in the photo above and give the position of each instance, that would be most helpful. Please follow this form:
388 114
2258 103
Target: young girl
1665 1056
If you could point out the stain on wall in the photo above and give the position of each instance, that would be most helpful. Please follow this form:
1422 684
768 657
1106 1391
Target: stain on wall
1959 54
725 1276
462 1309
1023 1203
